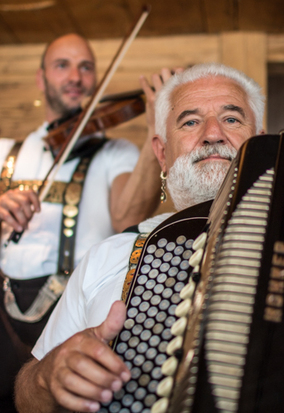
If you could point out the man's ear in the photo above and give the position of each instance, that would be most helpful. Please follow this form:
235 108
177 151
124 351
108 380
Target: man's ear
158 145
40 80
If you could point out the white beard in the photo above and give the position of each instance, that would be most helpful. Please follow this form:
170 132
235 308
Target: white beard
190 182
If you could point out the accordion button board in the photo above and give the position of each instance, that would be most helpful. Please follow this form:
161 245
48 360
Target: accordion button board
162 272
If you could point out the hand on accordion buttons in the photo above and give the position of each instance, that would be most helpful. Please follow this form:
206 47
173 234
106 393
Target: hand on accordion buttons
84 370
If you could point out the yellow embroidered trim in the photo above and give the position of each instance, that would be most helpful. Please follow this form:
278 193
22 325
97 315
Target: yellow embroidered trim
55 194
133 261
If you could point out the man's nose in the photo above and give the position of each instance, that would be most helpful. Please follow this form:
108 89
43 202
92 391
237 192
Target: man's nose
74 74
213 132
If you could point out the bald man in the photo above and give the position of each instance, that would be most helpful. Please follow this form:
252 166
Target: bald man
97 192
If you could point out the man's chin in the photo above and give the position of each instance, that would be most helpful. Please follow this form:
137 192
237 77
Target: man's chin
71 107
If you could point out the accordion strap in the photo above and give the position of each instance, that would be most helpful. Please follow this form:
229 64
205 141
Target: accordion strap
133 261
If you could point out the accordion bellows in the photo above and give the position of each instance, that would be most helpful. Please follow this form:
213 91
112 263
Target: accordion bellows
233 344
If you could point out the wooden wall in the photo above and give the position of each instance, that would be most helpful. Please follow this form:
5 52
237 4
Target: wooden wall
250 52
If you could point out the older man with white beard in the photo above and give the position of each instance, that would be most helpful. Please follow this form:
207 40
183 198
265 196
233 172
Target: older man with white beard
203 115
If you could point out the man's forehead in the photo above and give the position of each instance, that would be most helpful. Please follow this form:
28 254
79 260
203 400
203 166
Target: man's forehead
208 88
64 49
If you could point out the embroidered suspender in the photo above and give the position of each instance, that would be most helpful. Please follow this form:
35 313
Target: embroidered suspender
133 261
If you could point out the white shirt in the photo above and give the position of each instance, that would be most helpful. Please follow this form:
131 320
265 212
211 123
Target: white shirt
93 287
36 254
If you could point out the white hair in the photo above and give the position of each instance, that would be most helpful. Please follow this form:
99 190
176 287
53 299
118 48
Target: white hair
252 89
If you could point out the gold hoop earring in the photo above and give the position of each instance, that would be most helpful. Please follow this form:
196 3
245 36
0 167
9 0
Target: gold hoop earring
163 196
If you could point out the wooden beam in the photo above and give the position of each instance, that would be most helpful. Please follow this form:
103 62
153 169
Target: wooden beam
246 52
275 49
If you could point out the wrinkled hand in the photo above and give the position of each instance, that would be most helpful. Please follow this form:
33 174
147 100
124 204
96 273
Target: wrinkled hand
157 82
84 370
17 207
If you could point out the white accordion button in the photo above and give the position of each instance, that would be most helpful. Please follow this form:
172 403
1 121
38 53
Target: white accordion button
164 388
200 241
179 326
174 345
160 406
183 308
196 257
169 367
188 290
196 269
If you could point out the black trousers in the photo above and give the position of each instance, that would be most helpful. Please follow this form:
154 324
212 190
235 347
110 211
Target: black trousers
17 338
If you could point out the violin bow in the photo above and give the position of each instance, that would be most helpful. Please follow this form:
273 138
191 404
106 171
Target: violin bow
86 114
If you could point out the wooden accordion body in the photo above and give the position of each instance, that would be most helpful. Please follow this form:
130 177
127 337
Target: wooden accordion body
233 347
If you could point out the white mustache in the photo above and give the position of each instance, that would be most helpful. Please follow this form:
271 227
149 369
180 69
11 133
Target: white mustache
223 151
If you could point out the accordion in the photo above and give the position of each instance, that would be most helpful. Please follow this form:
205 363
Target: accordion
228 352
162 271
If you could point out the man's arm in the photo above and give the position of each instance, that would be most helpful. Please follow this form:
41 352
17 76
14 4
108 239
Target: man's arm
136 196
78 374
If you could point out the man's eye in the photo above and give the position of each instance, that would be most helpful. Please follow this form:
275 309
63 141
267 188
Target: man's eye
232 120
190 123
61 65
87 68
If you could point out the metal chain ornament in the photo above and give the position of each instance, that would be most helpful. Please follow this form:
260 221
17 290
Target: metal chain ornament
163 196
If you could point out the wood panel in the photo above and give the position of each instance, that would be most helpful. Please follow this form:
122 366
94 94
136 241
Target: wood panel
275 49
276 101
175 17
249 55
113 17
221 18
47 23
40 21
261 15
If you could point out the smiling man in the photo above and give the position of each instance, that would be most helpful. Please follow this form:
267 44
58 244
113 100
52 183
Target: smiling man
203 115
67 75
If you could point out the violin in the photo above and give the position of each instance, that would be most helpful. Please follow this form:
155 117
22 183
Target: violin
114 110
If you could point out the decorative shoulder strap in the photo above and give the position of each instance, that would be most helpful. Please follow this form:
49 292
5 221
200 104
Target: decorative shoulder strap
71 201
133 261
